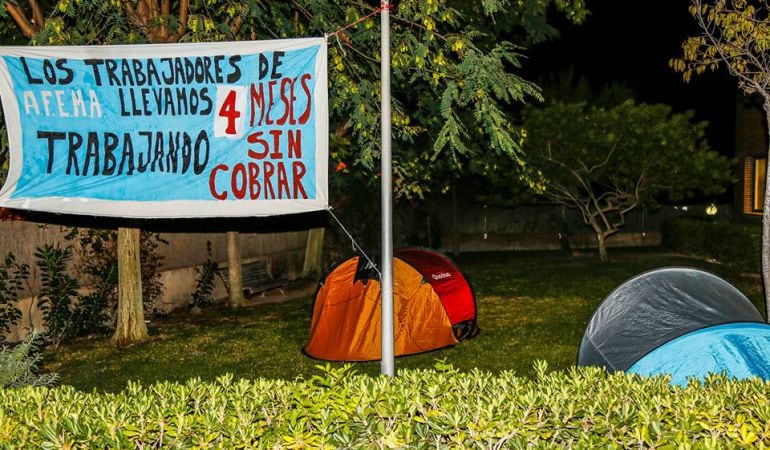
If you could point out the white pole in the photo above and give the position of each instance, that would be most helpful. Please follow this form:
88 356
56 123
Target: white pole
387 364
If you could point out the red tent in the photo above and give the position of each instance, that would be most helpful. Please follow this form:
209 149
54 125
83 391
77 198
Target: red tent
434 307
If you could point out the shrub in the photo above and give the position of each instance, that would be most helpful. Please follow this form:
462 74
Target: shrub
583 408
13 275
18 365
58 292
98 258
204 283
738 245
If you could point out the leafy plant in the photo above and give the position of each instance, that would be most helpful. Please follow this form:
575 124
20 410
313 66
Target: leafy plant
98 259
337 408
151 261
57 292
605 162
18 365
13 275
204 283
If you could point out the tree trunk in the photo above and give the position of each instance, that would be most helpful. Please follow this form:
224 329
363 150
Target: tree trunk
313 252
130 327
766 224
234 269
601 239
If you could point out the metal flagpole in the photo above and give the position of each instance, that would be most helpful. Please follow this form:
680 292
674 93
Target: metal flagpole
387 364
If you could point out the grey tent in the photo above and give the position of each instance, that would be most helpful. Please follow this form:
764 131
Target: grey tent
655 308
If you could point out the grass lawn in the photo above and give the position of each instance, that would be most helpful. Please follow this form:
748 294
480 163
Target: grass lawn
530 306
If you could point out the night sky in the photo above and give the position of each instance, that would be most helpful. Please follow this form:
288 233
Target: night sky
632 42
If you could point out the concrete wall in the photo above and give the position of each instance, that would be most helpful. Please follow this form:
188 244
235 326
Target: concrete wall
283 254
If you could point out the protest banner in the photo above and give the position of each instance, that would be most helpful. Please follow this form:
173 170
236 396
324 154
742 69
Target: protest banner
167 131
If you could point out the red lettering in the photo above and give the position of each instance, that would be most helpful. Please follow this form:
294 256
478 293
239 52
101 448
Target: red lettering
257 99
268 172
213 182
283 181
288 113
228 110
256 138
295 143
270 85
276 144
298 170
238 190
254 187
306 115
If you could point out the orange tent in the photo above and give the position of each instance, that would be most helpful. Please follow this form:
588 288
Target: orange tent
433 306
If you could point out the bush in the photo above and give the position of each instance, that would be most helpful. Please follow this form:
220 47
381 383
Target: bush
98 259
737 245
13 275
204 282
584 408
58 292
18 365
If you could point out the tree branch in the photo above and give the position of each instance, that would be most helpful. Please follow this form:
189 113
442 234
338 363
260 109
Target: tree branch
165 11
184 11
37 14
28 29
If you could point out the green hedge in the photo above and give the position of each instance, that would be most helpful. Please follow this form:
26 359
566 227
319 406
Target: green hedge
738 245
427 409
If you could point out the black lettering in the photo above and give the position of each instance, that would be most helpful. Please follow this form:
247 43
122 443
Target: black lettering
277 61
61 64
125 70
158 158
206 98
218 68
186 152
168 78
74 141
152 73
169 100
141 78
30 78
52 137
95 63
235 75
92 152
264 66
181 96
172 156
49 73
143 164
111 66
110 145
127 155
201 154
207 70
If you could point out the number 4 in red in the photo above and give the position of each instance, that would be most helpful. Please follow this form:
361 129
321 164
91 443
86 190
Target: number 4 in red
229 111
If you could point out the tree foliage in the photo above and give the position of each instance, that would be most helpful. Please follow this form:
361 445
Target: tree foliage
605 162
736 34
452 83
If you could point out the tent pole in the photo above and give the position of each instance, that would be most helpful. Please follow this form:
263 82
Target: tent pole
387 364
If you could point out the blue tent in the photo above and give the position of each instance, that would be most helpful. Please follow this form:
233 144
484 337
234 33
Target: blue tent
741 350
678 321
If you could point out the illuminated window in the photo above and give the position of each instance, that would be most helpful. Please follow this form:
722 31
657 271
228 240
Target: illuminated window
759 178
